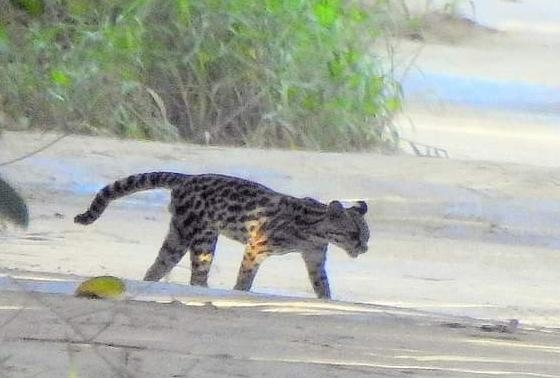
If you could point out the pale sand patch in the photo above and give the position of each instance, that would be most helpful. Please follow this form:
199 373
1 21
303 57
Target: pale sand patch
468 238
449 237
54 335
475 135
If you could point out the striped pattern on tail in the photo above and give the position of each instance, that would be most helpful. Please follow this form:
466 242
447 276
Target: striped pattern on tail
126 186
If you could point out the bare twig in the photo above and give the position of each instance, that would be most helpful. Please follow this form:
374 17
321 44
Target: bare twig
38 150
429 151
159 102
251 102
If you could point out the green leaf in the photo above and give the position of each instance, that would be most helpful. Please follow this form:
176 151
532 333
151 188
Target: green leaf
336 67
183 10
326 12
376 85
32 7
3 34
352 56
4 39
393 104
60 78
358 15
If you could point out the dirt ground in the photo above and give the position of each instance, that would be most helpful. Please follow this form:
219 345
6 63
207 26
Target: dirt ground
462 247
452 242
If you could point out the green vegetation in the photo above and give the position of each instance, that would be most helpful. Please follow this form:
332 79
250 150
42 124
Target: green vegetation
284 73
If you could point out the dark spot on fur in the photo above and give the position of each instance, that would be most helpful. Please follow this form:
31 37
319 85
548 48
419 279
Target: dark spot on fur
199 242
141 181
251 205
206 194
244 218
153 179
263 201
234 208
130 180
106 192
117 187
219 188
94 207
266 214
279 241
182 209
189 219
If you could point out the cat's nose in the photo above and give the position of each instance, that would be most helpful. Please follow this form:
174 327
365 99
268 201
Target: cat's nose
358 251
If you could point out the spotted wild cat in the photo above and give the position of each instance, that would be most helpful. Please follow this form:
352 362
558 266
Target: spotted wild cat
268 223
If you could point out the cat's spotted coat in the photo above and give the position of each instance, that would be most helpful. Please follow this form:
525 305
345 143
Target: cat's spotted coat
268 223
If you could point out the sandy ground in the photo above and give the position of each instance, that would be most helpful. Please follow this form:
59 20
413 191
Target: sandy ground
493 91
457 244
222 335
453 241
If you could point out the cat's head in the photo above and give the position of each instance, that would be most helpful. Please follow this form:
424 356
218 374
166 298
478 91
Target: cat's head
347 227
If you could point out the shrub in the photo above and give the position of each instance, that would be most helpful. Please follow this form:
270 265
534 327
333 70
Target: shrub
285 73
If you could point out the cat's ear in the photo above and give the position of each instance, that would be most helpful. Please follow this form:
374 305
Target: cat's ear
335 209
361 207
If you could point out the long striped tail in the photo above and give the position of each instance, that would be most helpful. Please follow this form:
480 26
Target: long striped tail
126 186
